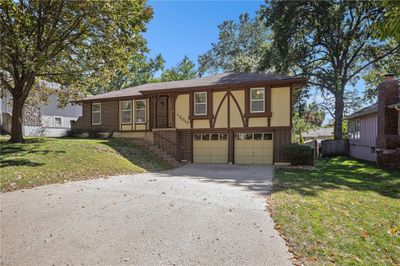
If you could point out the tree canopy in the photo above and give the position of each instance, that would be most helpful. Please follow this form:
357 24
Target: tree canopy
240 46
390 25
184 70
330 42
80 44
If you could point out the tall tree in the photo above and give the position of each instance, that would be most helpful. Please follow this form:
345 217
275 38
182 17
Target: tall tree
331 42
184 70
75 43
240 46
141 70
244 46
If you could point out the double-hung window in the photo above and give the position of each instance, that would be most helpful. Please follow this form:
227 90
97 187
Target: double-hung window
200 103
96 113
257 100
354 129
58 121
126 112
140 111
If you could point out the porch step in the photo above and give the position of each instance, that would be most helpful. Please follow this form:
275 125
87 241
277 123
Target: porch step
156 151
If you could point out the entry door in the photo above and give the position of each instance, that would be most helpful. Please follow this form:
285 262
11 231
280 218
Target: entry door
210 148
253 148
162 112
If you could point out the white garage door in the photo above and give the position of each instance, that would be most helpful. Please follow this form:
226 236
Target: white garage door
253 148
210 148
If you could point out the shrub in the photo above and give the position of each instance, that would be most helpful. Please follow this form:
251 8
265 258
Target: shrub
110 135
299 154
94 134
70 133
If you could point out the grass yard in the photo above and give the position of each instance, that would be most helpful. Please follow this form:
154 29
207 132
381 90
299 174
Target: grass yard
42 161
344 212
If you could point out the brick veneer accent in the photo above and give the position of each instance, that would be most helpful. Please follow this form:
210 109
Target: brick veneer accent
388 139
166 140
281 138
388 93
390 161
109 118
185 146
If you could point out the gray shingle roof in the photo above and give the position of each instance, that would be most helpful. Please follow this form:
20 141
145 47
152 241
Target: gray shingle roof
216 80
373 108
320 132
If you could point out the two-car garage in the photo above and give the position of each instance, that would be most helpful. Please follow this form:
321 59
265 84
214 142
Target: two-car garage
248 148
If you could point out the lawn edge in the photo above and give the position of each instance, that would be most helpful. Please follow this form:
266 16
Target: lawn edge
296 259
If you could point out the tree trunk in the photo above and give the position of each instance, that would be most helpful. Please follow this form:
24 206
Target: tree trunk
16 120
339 109
19 93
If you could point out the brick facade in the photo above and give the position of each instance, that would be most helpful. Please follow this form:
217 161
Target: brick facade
390 161
185 146
166 140
388 139
281 138
177 143
109 118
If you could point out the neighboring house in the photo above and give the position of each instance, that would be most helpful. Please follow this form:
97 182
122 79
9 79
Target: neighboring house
318 134
43 120
374 132
242 118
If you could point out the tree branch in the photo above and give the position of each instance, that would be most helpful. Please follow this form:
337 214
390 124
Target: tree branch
374 61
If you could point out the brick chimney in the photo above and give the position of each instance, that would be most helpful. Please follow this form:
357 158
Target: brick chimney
388 93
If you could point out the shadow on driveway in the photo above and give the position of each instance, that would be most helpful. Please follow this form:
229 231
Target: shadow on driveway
256 178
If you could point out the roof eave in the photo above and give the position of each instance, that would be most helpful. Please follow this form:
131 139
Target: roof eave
300 81
361 114
291 81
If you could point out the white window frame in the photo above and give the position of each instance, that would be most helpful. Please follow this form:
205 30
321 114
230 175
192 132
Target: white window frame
194 103
61 120
125 110
99 104
354 129
145 111
251 100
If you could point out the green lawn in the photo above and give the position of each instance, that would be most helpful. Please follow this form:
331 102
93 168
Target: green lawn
42 161
343 212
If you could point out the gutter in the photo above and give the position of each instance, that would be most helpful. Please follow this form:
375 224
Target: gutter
290 82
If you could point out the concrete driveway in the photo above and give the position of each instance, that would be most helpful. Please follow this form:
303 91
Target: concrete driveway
193 215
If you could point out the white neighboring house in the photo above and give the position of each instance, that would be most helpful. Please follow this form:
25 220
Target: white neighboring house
46 120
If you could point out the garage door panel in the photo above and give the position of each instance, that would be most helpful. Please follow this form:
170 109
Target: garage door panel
262 160
253 148
210 151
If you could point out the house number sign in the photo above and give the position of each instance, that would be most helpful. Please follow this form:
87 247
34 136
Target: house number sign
184 120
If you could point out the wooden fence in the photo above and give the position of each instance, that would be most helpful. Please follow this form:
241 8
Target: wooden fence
334 147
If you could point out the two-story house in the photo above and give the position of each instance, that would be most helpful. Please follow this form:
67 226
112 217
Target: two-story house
241 118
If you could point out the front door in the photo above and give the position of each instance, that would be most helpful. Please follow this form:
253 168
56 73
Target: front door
162 112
